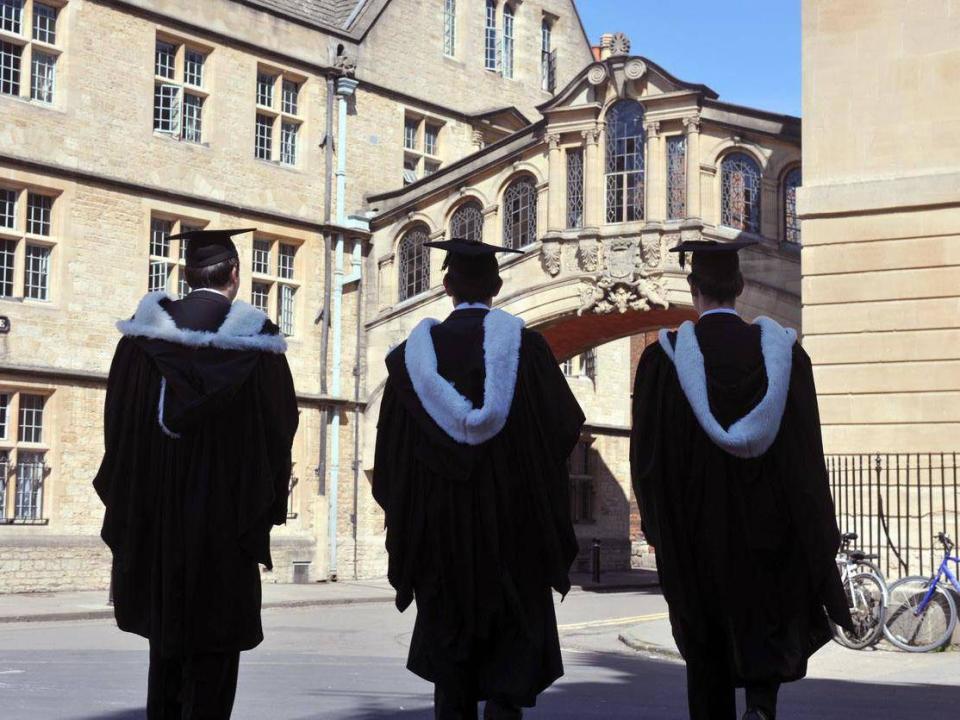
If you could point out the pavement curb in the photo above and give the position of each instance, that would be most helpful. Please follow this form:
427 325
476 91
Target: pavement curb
107 613
649 647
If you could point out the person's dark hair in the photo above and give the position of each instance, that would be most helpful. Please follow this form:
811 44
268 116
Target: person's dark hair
472 279
721 287
216 276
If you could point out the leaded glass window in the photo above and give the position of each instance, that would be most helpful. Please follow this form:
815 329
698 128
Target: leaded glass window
410 128
42 77
4 415
37 273
261 257
547 58
193 68
8 255
450 27
160 266
260 296
291 96
285 264
31 418
791 223
575 188
520 213
39 210
28 501
44 23
8 208
676 177
10 68
164 60
431 134
490 36
625 162
740 193
413 263
288 143
166 108
508 41
263 142
11 15
265 83
193 118
285 309
467 222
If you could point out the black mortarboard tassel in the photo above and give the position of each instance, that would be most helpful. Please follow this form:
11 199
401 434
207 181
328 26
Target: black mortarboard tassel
209 247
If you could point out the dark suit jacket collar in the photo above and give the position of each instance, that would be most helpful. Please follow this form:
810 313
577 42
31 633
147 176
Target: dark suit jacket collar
720 319
468 313
209 296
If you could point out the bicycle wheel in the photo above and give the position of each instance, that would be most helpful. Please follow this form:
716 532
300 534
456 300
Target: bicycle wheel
865 597
921 632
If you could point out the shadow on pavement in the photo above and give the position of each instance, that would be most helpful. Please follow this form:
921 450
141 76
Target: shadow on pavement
624 686
132 714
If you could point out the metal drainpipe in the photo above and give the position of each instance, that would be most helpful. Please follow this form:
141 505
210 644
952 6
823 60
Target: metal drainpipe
345 88
361 353
327 285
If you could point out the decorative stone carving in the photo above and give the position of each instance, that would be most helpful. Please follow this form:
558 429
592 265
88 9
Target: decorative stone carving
620 44
592 136
652 127
346 63
650 252
588 255
553 140
597 74
635 68
692 124
630 279
550 257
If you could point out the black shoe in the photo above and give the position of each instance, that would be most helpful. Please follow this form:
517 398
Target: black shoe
756 714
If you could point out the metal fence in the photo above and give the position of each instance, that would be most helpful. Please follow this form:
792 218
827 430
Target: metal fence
897 503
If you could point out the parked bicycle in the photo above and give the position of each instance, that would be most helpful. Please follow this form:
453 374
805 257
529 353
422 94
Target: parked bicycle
866 591
923 614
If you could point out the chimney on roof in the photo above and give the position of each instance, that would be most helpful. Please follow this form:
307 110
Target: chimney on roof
606 44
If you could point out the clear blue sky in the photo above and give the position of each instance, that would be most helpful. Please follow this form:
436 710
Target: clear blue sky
746 50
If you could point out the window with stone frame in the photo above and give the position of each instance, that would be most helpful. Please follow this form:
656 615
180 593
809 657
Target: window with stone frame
467 222
29 50
508 42
278 120
450 28
575 187
791 223
27 241
581 366
179 93
520 213
421 146
413 263
23 449
740 193
548 57
676 177
275 281
491 51
625 163
582 491
167 258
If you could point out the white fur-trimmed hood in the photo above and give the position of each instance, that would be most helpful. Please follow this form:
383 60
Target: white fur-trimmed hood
455 414
752 435
241 330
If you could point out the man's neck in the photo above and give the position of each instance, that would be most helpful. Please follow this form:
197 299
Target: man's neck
719 310
471 306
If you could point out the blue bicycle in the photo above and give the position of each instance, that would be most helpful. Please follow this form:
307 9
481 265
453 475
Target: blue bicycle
922 614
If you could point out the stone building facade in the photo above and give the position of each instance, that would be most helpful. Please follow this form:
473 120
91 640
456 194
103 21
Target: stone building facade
124 121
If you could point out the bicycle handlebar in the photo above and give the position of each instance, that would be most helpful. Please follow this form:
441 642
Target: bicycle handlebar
945 540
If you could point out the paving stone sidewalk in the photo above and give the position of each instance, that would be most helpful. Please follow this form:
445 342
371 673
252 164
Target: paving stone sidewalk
93 605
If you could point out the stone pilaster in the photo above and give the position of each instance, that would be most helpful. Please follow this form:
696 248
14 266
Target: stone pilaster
654 205
556 194
692 127
593 183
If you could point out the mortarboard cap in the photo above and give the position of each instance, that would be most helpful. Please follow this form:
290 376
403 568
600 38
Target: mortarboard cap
721 255
209 247
470 256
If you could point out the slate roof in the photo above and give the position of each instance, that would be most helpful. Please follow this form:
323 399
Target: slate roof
328 13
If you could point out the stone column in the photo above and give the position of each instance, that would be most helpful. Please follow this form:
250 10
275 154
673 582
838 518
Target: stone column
593 182
654 207
492 232
556 192
692 126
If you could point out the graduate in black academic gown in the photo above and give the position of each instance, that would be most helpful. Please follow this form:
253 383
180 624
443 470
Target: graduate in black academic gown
199 419
476 425
728 469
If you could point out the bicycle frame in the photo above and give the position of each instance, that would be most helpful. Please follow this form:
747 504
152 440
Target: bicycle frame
935 582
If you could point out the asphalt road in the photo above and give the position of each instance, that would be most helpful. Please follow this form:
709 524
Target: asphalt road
347 663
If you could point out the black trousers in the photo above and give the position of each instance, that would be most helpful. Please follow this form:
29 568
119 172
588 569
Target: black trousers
453 704
711 695
199 687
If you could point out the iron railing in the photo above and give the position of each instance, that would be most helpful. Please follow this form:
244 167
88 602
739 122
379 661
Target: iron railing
897 503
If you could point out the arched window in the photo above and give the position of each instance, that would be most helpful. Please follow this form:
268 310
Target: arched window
467 222
740 193
490 36
413 260
791 224
520 213
624 169
507 41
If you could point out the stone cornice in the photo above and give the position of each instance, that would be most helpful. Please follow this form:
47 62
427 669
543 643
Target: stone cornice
878 195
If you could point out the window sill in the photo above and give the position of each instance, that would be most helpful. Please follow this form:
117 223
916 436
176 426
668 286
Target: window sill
14 38
170 137
279 165
30 102
24 521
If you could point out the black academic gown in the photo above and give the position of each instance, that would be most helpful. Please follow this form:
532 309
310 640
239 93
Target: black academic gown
192 486
479 534
745 547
